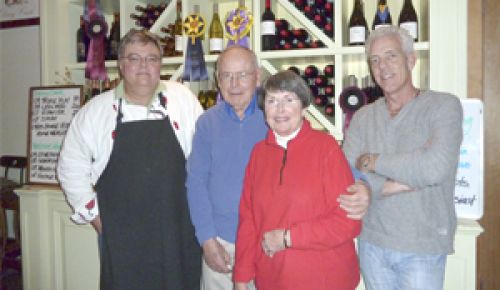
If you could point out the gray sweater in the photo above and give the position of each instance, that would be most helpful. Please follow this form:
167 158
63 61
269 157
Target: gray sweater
418 147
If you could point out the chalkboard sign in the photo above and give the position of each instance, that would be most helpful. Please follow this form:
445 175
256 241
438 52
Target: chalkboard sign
50 113
469 185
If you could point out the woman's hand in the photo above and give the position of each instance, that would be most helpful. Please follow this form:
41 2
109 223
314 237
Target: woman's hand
240 286
273 242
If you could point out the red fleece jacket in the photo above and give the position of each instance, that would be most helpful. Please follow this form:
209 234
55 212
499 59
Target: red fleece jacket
297 189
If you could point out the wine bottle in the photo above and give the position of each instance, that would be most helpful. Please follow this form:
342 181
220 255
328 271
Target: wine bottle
320 100
382 16
82 42
321 81
329 71
179 39
311 71
114 37
317 44
408 19
294 69
281 24
329 90
268 28
106 86
328 29
215 33
330 109
358 28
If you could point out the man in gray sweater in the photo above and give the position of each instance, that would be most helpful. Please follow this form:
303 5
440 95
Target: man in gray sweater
407 144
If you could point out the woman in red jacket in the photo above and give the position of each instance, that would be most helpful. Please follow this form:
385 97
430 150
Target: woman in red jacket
292 234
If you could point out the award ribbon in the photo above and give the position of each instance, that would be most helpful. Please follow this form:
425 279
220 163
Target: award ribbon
195 68
96 28
238 25
350 100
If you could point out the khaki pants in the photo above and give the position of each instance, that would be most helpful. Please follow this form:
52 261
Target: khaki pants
212 280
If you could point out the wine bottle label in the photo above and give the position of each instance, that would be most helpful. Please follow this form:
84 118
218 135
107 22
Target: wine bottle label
81 49
179 43
267 28
357 34
411 27
216 44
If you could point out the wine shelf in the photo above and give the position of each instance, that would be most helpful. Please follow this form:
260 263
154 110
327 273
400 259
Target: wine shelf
60 20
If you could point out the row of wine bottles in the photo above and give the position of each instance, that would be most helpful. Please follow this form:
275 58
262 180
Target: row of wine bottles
321 84
358 28
111 42
93 88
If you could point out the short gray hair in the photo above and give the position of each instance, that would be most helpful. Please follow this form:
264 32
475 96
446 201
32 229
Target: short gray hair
141 36
401 34
287 81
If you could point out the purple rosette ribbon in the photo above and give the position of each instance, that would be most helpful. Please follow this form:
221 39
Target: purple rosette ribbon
238 25
96 28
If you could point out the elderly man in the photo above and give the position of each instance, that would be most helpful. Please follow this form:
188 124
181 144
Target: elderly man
407 144
224 138
122 165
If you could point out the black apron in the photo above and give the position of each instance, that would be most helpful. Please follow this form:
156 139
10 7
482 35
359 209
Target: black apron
148 237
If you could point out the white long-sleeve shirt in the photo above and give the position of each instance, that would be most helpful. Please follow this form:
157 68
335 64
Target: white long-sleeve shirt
88 143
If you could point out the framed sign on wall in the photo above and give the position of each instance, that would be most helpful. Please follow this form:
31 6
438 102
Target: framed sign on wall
50 112
15 13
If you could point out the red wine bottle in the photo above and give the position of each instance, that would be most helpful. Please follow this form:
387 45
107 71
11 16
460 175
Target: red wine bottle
382 16
330 109
311 71
408 19
320 100
321 81
82 42
358 28
114 37
329 90
281 24
329 71
268 28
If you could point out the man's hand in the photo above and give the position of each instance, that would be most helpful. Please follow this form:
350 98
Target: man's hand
96 223
366 162
393 187
356 203
216 257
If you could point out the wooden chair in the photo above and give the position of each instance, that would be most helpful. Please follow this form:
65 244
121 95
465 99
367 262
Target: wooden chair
10 249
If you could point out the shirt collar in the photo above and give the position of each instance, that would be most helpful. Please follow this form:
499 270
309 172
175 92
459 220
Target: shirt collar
250 110
120 92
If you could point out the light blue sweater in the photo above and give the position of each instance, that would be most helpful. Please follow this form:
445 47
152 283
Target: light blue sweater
216 167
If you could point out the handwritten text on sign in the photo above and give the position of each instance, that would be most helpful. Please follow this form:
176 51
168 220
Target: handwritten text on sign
469 180
51 114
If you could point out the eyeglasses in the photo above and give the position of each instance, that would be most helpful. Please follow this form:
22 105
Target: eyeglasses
135 59
242 76
286 102
388 57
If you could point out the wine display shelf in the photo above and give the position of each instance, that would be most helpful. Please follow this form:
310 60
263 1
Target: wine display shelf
441 49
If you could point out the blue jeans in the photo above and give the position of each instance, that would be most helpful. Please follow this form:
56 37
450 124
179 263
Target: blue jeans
385 269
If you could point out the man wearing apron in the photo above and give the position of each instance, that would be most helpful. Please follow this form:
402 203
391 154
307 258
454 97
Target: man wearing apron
122 167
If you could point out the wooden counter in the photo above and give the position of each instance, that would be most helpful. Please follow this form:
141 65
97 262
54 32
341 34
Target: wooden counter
60 255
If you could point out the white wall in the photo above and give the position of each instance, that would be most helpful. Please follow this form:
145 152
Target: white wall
19 70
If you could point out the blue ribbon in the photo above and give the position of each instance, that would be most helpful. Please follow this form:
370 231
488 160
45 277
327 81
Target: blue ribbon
195 68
